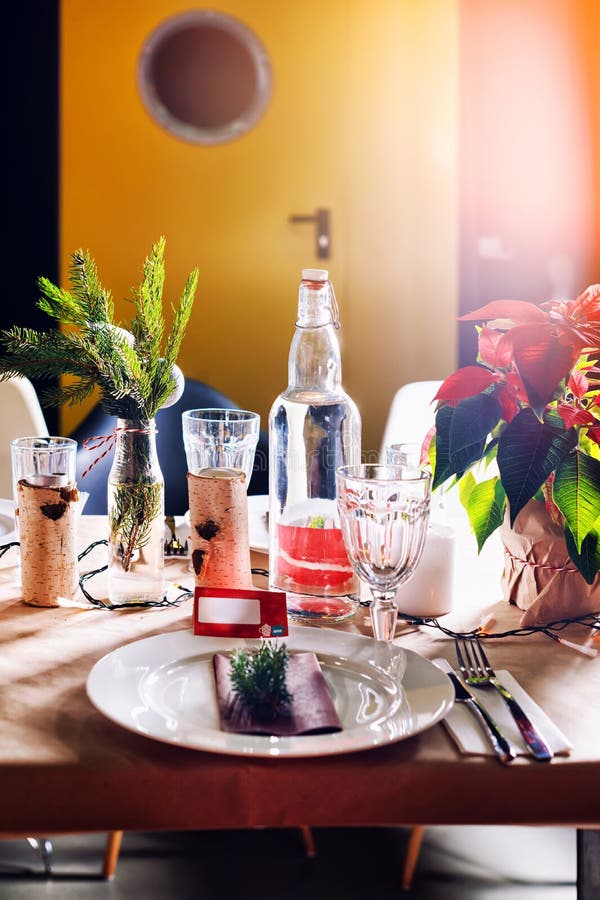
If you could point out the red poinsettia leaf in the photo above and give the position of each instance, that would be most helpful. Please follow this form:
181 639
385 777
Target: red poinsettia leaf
579 318
569 332
573 416
504 351
513 312
593 373
487 344
466 382
513 380
508 404
594 434
578 384
542 360
586 307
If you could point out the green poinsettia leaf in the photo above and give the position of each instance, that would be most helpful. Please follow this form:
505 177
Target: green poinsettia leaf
528 452
471 424
485 507
431 454
576 492
587 558
461 435
589 446
441 469
465 486
491 452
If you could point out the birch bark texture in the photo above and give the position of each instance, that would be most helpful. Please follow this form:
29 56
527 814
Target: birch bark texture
219 528
48 518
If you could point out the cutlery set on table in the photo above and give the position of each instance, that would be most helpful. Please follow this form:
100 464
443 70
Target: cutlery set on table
492 712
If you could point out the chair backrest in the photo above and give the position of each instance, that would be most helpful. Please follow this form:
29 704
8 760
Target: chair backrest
21 416
169 446
411 414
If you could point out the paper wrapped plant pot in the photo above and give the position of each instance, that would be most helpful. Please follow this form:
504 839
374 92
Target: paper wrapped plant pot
539 577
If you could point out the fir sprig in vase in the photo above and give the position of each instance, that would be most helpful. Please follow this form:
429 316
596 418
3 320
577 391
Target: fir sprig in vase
135 373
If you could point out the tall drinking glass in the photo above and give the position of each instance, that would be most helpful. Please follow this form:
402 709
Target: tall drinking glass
220 438
384 511
46 514
42 462
220 445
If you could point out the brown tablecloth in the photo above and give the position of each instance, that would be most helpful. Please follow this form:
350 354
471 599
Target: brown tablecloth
64 766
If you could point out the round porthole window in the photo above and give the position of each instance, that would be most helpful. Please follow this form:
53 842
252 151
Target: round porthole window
205 77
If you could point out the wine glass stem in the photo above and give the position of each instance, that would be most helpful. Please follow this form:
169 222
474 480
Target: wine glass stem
384 614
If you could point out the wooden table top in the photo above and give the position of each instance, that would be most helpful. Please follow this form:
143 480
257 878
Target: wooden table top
65 767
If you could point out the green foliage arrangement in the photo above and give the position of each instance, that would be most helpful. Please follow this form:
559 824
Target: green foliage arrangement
258 679
133 371
135 505
531 404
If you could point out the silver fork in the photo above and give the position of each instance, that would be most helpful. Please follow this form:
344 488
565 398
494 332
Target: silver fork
477 671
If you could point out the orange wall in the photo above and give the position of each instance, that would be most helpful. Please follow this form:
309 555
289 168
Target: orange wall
362 119
223 208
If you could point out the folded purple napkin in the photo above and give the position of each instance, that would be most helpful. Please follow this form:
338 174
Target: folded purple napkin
311 710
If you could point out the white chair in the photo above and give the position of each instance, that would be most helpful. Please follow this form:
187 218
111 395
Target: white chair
411 414
22 416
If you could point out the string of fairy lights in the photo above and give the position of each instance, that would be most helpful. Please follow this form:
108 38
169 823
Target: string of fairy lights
551 629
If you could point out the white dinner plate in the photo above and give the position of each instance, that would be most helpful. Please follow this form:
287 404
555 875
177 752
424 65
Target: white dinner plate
7 522
163 687
258 523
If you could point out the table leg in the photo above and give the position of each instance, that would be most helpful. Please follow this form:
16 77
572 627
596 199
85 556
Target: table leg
111 854
43 847
588 863
308 841
415 840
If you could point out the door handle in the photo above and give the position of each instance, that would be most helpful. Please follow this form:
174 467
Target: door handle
322 221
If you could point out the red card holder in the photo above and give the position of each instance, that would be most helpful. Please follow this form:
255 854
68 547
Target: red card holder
231 612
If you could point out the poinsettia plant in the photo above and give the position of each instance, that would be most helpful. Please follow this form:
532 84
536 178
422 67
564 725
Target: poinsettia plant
531 403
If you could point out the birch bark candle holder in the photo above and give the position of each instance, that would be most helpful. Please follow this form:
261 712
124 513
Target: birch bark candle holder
219 528
48 514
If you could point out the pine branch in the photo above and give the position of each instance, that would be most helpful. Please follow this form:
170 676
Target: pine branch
44 354
134 381
68 394
136 506
149 324
258 680
181 317
95 301
59 304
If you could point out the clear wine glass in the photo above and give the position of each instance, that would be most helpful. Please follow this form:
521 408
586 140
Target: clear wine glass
384 512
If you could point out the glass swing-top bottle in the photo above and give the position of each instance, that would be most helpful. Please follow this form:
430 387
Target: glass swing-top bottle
314 427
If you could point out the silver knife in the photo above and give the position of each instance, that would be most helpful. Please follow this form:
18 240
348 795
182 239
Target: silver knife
502 748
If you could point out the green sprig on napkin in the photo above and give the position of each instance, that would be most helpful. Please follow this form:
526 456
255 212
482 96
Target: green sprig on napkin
258 680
